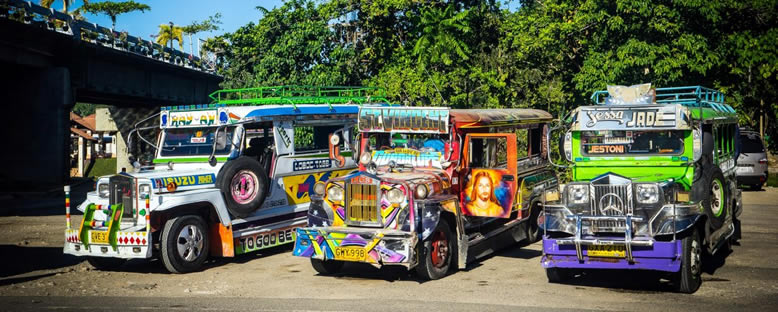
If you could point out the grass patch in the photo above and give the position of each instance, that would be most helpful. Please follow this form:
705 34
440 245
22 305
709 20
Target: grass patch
103 166
772 180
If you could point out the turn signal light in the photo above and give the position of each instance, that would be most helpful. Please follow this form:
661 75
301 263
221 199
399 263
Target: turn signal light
171 187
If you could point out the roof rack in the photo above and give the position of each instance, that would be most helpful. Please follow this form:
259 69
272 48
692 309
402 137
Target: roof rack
281 95
691 96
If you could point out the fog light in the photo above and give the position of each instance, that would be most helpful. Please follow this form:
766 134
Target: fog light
103 249
136 249
78 247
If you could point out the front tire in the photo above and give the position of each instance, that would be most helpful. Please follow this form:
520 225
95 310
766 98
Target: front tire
437 253
105 264
327 267
689 278
184 244
558 275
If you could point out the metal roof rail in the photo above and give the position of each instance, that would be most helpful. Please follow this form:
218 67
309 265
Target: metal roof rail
691 96
294 95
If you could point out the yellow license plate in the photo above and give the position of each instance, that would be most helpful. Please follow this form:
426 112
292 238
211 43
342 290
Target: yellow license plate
350 253
98 237
614 251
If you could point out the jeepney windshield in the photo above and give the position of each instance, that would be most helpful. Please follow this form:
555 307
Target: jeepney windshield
195 141
630 142
409 149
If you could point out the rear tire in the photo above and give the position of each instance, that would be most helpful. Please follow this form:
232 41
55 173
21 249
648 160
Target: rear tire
184 244
688 279
327 267
716 203
533 230
105 264
437 253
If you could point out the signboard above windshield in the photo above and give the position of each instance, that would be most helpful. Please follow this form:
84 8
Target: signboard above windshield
195 118
662 117
403 119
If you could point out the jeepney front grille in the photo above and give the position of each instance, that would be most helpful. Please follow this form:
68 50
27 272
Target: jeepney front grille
611 200
362 202
122 191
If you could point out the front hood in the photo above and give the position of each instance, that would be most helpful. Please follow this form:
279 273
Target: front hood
637 174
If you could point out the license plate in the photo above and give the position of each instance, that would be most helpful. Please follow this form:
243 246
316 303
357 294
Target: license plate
745 169
614 251
98 237
350 253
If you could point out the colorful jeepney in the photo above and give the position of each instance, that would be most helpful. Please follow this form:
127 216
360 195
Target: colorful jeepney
436 188
228 178
653 184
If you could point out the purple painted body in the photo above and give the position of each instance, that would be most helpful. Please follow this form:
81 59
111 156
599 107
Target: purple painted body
662 256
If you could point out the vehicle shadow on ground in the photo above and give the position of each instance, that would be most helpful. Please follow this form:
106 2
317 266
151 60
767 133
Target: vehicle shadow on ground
17 260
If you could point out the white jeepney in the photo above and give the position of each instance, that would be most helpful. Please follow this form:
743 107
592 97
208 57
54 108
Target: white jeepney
227 178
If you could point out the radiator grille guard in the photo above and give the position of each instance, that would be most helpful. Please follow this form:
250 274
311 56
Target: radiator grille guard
611 197
122 191
363 202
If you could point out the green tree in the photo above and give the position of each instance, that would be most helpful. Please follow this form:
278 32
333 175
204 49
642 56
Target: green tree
170 32
113 9
65 4
210 24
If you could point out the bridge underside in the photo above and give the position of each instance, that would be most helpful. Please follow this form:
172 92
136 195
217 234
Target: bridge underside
45 73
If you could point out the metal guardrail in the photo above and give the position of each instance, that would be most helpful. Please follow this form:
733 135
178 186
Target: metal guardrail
32 14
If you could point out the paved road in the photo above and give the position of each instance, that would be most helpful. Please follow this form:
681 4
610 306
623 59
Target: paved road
36 276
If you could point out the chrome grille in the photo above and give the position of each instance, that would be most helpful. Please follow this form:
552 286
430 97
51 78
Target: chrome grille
362 204
610 200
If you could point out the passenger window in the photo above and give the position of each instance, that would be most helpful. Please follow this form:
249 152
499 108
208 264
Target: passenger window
489 153
313 138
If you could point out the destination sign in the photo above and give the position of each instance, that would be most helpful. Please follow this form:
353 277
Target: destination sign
405 119
629 118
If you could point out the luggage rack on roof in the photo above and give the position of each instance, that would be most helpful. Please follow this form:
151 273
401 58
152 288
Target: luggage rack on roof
691 96
294 95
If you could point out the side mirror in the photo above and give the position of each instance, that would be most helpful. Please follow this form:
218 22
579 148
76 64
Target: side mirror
564 150
334 141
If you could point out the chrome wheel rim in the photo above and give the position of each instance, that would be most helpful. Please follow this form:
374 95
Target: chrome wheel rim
695 258
189 243
439 250
716 202
244 187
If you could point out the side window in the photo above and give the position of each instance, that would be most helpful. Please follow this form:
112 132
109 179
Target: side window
489 153
312 138
522 143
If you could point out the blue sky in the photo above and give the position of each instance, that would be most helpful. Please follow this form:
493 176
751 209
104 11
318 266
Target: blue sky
235 13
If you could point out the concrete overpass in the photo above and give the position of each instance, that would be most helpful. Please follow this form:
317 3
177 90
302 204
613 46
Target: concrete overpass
51 61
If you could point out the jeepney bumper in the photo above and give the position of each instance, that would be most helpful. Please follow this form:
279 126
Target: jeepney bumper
369 245
636 248
126 245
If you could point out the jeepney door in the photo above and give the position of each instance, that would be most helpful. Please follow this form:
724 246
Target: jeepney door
489 175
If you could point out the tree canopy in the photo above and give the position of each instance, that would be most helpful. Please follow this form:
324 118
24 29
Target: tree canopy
547 54
113 9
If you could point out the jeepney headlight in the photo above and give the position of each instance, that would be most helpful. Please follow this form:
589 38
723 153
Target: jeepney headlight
395 196
577 193
696 145
144 190
568 146
335 193
319 188
102 190
647 193
421 191
365 158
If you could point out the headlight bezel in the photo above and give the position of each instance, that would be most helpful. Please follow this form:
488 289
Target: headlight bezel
320 188
395 196
103 188
581 189
646 193
335 192
365 158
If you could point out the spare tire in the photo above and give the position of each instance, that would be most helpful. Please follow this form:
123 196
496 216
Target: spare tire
717 202
244 184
